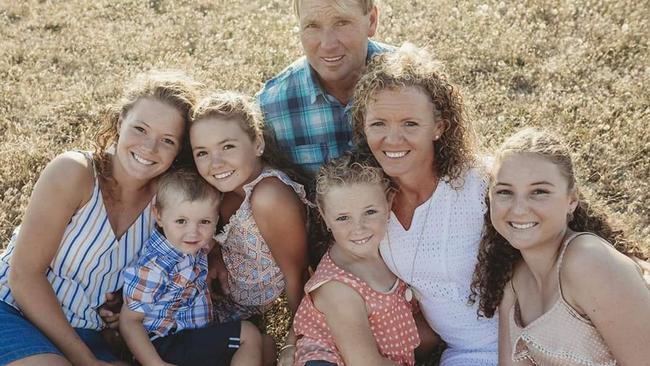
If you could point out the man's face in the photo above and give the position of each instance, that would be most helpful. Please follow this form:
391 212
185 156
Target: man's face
334 36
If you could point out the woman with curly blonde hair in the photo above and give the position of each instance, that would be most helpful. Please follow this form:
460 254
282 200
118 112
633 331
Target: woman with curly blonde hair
412 119
555 266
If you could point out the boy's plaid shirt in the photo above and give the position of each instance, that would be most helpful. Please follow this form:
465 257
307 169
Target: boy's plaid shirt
169 287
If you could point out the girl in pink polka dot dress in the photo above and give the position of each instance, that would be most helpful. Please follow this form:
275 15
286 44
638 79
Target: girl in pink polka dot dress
355 311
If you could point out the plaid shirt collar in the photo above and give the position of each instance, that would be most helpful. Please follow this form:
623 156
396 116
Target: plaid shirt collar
168 255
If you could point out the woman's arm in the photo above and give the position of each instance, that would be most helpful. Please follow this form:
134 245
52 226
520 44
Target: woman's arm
281 218
63 187
606 285
137 339
347 317
505 348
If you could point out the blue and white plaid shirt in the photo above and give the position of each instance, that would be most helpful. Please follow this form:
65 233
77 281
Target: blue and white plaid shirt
310 125
169 287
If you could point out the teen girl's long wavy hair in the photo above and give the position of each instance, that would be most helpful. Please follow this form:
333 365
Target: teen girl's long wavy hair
497 258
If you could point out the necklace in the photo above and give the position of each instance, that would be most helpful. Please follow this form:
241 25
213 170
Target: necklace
410 290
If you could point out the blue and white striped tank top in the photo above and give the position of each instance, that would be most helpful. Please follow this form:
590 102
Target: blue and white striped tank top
89 261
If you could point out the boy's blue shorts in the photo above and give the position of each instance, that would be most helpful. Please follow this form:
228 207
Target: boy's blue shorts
19 338
213 345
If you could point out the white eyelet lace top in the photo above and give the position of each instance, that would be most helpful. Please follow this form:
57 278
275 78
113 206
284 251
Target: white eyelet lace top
442 272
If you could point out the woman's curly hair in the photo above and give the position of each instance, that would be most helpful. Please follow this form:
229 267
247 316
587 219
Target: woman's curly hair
497 258
230 105
408 67
171 87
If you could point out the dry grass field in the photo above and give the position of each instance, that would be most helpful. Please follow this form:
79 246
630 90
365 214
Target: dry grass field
581 67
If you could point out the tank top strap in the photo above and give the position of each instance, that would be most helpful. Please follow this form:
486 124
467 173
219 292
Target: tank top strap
268 171
565 244
89 157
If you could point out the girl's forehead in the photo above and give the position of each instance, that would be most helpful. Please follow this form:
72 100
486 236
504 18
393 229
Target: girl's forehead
348 195
517 166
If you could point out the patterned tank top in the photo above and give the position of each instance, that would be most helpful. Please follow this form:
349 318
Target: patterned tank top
254 278
559 337
89 261
390 317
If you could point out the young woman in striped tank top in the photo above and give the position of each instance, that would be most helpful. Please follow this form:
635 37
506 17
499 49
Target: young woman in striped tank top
559 272
88 217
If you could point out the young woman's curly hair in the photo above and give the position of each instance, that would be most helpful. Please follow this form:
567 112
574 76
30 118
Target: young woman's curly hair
171 87
497 258
412 67
229 105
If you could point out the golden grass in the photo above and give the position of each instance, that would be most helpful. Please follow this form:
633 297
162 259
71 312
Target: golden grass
579 67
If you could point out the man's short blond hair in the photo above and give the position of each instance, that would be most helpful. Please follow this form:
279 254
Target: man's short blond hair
366 6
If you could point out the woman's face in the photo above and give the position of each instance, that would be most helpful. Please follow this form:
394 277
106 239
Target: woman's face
150 137
530 200
224 154
400 130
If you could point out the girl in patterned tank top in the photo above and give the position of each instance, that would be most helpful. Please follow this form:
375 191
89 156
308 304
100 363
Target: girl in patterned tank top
262 245
556 268
355 310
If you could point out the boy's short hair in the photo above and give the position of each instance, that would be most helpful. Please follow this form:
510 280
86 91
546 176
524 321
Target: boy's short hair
185 182
366 6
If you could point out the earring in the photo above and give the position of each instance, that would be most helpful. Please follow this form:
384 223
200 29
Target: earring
436 138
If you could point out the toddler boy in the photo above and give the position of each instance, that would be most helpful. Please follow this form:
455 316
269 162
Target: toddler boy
167 312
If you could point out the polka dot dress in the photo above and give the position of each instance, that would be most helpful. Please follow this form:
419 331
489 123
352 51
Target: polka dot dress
390 317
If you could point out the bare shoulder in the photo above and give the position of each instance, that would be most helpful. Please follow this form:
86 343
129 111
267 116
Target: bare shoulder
72 165
592 267
70 174
271 195
592 255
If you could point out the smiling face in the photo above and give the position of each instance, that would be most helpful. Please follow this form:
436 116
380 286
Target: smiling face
357 215
150 137
225 156
530 200
334 36
188 225
400 129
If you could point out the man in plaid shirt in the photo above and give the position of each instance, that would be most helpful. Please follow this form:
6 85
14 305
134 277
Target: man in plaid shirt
307 105
167 309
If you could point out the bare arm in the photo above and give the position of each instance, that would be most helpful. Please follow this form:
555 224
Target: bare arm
63 187
137 339
285 234
607 286
347 317
505 343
